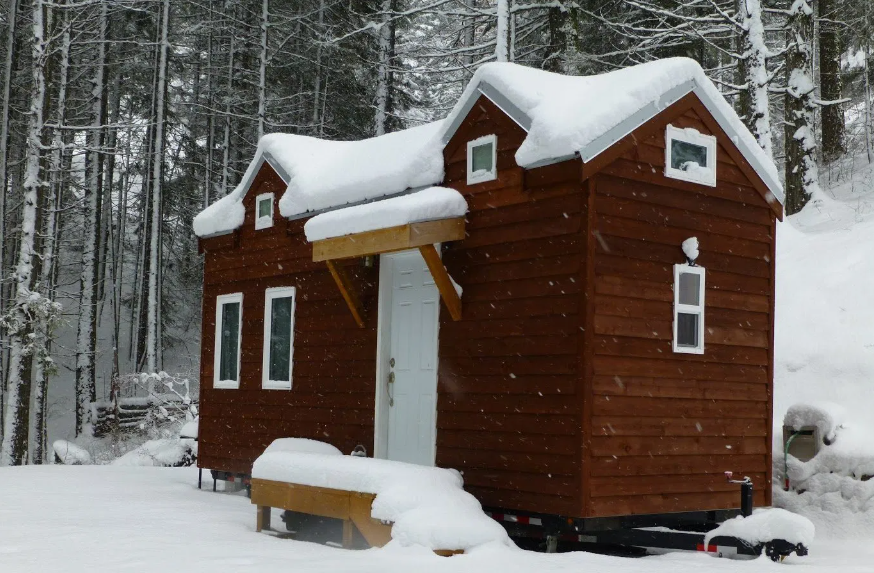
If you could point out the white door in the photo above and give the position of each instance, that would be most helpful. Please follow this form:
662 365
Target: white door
412 366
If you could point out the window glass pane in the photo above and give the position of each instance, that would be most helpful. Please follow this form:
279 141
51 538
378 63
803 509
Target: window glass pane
280 339
690 288
687 329
230 341
481 157
684 154
264 207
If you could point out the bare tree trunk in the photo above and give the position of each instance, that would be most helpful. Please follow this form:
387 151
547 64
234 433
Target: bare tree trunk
317 86
152 326
86 346
262 69
50 240
753 71
13 450
802 173
830 84
384 71
502 35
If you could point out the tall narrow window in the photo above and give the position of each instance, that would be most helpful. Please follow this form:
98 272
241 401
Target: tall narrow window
481 159
264 211
690 155
228 328
688 309
278 338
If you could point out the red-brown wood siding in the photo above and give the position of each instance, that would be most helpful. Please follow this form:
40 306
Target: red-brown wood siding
510 371
666 426
334 360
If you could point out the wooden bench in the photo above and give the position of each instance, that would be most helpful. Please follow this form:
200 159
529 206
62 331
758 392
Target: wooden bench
351 507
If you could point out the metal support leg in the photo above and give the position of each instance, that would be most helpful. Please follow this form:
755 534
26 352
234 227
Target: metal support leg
199 478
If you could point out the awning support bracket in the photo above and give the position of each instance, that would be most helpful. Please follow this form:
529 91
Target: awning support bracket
348 292
442 280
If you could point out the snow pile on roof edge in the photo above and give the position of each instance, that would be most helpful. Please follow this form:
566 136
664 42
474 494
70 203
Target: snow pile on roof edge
764 525
429 204
426 505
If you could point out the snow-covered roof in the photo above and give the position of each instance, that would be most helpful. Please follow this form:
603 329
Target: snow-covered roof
428 204
585 115
564 116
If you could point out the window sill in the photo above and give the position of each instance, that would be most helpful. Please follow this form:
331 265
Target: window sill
276 386
226 385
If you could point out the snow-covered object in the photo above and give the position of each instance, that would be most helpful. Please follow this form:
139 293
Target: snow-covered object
563 115
767 524
189 429
690 248
323 174
586 115
161 453
827 416
302 446
426 505
427 205
70 454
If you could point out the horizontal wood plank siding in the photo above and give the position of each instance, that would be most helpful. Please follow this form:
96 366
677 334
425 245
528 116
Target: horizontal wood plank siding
508 406
666 426
334 361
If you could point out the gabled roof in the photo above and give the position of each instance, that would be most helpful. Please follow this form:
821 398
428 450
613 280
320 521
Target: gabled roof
564 117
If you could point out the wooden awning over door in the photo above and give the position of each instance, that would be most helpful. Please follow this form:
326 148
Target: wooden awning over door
422 235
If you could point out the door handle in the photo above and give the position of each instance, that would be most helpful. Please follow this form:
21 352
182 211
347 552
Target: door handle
391 383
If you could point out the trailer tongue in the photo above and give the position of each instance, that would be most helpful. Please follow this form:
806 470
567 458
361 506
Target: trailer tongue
736 533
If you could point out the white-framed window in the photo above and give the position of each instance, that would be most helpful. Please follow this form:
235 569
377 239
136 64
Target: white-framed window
278 338
690 155
263 211
228 332
688 309
482 157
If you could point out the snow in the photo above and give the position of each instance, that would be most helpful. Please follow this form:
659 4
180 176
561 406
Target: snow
70 454
326 174
827 416
569 115
189 429
426 505
166 452
429 204
88 519
303 446
825 353
766 524
690 248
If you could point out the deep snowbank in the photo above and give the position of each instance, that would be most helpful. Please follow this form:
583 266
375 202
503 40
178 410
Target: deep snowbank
825 356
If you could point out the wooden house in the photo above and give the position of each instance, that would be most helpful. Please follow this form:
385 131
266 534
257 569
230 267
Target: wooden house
553 343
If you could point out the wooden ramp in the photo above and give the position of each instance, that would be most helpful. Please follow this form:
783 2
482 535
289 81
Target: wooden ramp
352 507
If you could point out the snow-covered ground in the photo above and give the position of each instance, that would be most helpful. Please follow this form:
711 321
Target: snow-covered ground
115 518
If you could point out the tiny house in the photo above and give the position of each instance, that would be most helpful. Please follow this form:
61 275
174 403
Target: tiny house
565 290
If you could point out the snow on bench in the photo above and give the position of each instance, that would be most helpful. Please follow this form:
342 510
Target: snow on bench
425 505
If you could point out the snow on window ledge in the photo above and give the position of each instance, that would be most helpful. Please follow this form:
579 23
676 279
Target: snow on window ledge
690 170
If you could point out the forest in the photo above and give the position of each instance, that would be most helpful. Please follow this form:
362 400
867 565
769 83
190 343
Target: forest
122 119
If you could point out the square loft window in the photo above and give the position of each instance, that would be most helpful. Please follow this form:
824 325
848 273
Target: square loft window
278 338
264 211
690 155
688 309
482 159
